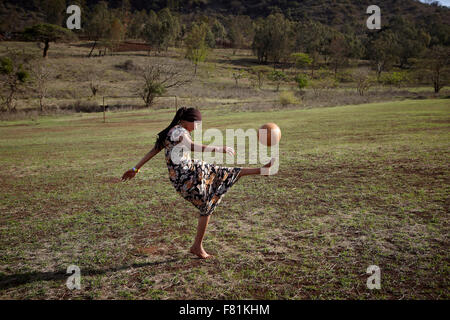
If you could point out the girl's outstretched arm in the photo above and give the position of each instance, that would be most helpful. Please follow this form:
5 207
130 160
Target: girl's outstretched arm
131 173
147 157
204 148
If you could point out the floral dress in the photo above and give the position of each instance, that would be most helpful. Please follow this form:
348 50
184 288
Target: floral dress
201 183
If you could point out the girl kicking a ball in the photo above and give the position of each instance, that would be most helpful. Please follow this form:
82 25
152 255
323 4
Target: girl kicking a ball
201 183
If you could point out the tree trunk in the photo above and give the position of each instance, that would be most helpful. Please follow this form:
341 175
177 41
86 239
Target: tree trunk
149 99
379 70
437 81
46 48
93 47
9 101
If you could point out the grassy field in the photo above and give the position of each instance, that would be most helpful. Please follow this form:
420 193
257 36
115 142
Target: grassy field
357 186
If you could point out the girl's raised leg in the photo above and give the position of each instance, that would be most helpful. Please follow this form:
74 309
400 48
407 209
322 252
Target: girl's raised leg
250 171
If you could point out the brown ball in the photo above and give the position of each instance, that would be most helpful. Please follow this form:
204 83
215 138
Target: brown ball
271 135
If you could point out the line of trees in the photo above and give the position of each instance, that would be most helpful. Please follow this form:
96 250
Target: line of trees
274 39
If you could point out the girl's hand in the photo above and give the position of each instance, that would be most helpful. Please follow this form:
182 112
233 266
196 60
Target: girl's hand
128 175
229 150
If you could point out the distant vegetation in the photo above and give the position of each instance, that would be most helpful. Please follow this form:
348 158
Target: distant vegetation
313 44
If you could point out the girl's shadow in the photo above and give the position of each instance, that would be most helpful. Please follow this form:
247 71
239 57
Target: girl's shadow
14 280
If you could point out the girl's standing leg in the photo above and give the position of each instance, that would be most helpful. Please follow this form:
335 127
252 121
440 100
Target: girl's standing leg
197 247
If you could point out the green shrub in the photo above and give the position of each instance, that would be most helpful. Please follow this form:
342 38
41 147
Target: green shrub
344 76
127 66
302 60
288 97
320 85
301 80
394 78
323 73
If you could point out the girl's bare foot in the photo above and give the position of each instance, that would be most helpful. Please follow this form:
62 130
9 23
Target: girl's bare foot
200 252
266 167
269 164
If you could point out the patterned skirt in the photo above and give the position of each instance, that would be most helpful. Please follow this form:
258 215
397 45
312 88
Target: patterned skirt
201 183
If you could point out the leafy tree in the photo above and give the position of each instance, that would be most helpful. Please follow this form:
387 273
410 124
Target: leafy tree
125 12
281 38
99 23
196 47
438 31
381 52
274 39
394 79
210 39
219 30
410 41
313 38
181 34
170 27
240 31
161 29
137 24
47 33
261 43
302 60
54 10
301 80
13 75
356 48
117 33
236 37
339 52
151 30
259 74
435 65
321 85
278 77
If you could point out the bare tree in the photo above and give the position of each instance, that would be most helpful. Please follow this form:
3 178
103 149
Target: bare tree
94 84
41 75
339 51
238 75
363 80
157 78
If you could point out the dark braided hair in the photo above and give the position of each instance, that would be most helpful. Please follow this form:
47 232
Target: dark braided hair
159 144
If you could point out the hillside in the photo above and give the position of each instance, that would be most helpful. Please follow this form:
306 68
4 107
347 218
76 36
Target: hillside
335 13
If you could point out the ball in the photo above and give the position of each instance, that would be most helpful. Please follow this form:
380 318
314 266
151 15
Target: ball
269 134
